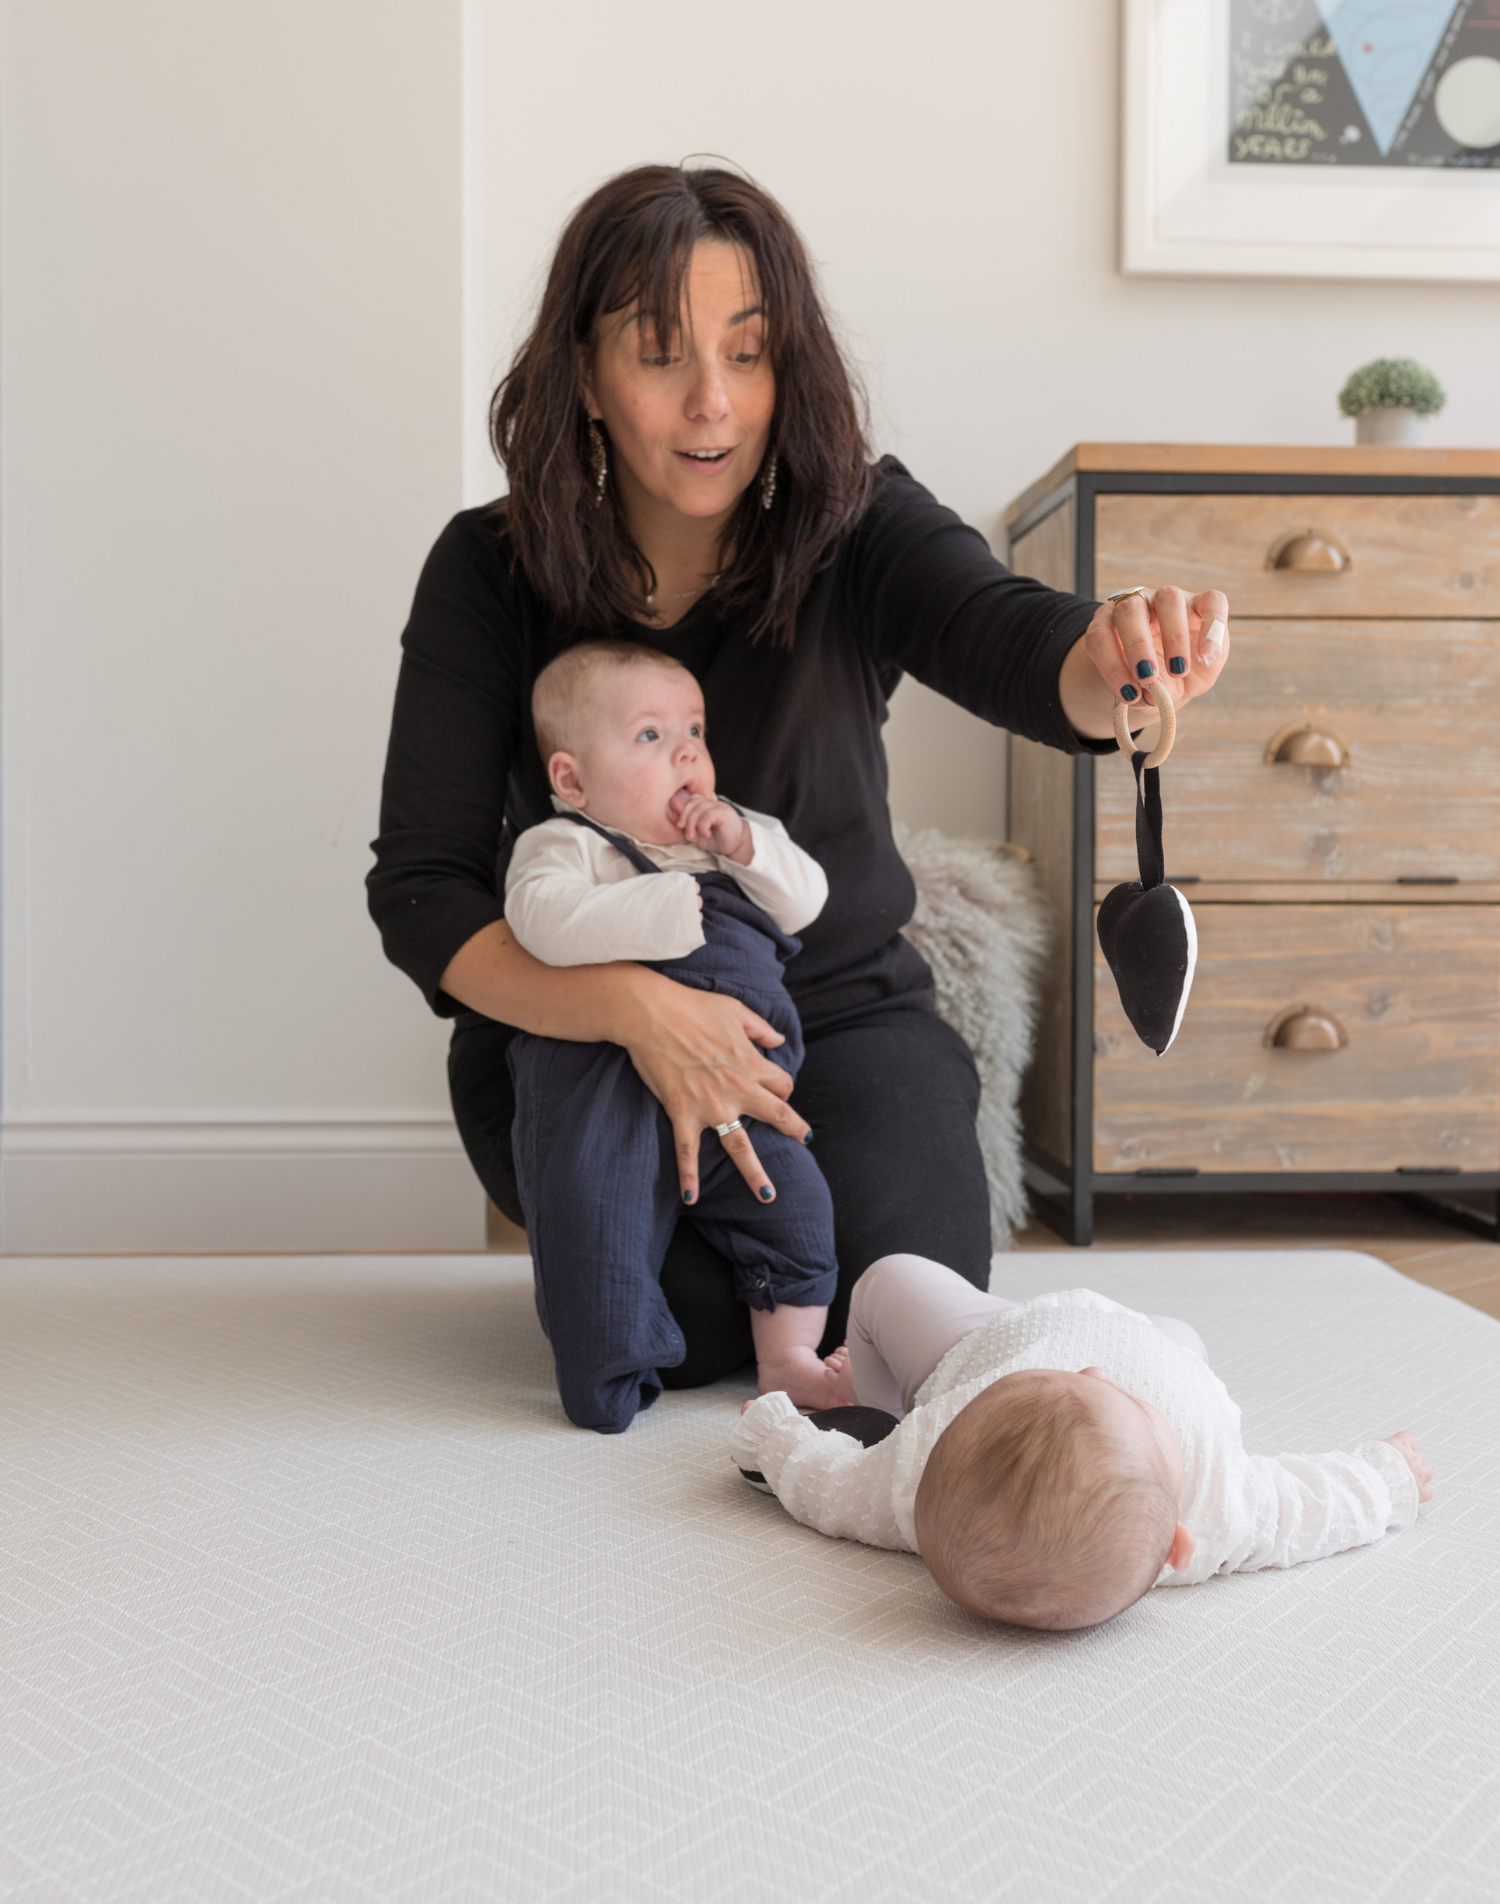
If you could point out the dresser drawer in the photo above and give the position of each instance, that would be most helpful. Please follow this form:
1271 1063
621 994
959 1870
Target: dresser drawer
1415 704
1405 555
1414 990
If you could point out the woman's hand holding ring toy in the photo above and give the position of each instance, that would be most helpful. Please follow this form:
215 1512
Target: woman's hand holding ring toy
1157 641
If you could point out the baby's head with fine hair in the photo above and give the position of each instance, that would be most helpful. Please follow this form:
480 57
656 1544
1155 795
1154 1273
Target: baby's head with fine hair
1052 1500
578 688
620 729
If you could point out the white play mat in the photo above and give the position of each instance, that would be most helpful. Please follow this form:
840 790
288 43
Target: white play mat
308 1592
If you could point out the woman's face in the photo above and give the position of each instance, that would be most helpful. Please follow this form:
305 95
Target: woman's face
689 416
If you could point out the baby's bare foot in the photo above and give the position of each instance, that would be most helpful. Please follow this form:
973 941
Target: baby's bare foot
842 1375
805 1377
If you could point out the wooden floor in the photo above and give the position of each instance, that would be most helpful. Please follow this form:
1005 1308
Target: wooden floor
1420 1246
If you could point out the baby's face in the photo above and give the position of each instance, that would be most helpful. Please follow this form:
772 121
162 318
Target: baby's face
640 753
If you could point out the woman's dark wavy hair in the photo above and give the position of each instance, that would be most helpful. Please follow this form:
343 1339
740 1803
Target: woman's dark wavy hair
633 241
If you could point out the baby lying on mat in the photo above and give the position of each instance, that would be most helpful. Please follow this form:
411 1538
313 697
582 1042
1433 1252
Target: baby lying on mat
1058 1457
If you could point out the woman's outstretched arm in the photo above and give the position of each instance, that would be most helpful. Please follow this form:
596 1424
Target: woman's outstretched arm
930 597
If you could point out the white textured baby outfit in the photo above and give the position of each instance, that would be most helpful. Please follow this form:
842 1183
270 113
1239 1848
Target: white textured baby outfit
1244 1511
571 899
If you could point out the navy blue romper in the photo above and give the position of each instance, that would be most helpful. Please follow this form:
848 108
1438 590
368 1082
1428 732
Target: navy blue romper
597 1172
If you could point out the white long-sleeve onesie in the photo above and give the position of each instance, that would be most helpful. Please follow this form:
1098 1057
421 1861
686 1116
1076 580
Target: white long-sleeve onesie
1244 1511
572 899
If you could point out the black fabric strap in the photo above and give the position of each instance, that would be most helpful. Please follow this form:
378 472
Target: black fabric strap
633 853
1148 850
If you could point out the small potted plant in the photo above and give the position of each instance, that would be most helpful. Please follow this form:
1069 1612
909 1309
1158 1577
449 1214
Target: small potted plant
1391 400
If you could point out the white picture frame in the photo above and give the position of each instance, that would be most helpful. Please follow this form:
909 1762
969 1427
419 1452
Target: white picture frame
1185 211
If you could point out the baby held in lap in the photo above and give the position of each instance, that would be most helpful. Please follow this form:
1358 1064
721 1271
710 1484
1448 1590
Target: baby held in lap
1056 1458
645 862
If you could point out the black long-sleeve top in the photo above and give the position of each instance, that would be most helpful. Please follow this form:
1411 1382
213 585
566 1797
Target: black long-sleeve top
793 732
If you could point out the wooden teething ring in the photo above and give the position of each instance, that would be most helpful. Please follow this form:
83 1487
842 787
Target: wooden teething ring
1165 712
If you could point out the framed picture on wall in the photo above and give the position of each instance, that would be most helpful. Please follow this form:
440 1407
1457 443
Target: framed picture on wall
1312 138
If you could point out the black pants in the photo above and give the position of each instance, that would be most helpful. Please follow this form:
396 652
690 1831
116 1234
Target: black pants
891 1095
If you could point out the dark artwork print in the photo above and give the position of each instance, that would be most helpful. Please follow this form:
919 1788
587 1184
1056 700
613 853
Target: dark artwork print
1365 82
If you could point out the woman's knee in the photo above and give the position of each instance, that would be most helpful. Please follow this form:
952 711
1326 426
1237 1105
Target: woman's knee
893 1104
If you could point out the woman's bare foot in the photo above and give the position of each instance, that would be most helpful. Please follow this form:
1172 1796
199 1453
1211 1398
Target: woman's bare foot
803 1375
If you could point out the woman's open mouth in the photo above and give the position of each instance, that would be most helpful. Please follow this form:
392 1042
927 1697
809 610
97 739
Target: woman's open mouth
706 459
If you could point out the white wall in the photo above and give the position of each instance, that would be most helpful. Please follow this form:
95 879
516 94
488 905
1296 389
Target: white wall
235 416
232 337
953 167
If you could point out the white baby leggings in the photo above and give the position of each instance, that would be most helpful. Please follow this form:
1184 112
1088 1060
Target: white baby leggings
907 1312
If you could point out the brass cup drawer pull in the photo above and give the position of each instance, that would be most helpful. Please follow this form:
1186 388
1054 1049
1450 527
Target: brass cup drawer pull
1305 744
1306 1028
1309 551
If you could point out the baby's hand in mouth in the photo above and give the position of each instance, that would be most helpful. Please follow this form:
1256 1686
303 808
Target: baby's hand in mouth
692 813
713 823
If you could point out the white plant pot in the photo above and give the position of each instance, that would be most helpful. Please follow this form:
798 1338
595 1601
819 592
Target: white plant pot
1395 423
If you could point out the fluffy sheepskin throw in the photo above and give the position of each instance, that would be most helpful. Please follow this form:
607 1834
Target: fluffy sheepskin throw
980 926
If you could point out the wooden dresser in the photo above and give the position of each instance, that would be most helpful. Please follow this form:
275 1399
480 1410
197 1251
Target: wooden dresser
1332 813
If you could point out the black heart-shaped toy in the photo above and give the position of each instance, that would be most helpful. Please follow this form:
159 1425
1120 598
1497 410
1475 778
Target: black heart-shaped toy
1146 929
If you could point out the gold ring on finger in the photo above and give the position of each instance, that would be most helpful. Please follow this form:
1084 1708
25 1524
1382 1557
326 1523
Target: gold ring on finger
1125 593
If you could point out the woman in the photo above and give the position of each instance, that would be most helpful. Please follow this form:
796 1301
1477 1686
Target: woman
687 467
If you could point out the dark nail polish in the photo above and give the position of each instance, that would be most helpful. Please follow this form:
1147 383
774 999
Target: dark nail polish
1178 664
1129 692
766 1193
807 1137
1145 669
690 1196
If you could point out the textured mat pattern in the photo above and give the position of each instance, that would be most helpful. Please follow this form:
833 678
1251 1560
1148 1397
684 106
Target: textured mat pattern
307 1592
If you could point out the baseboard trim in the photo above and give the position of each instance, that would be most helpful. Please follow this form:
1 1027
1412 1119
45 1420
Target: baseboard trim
72 1186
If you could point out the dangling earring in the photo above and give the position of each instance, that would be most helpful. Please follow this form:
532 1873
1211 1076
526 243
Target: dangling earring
768 483
598 461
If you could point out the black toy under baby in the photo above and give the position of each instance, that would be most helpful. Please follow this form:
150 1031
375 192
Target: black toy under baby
1146 928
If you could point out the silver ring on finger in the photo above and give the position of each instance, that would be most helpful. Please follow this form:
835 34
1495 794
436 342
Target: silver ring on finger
723 1130
1125 594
